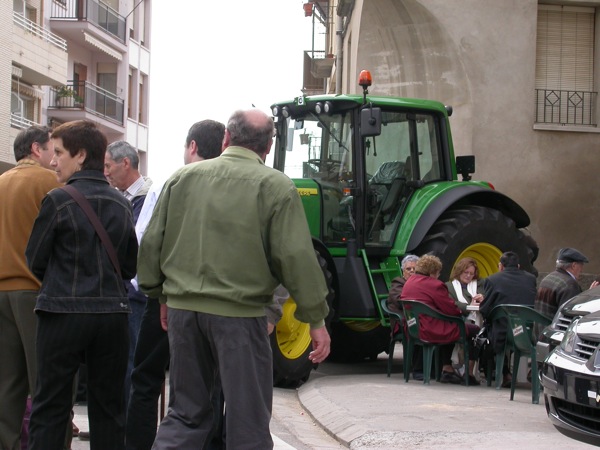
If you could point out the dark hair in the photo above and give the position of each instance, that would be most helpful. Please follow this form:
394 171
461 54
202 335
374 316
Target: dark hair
250 134
509 259
208 135
462 265
26 138
83 135
120 150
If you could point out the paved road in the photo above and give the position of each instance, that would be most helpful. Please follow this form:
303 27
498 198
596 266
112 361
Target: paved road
363 409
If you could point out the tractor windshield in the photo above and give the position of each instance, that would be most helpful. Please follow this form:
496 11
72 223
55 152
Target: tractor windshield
320 148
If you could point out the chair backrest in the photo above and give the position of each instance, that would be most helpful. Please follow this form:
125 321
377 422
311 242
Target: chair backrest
521 320
413 309
398 315
496 313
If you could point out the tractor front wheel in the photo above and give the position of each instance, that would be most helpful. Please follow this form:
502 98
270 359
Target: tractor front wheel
291 342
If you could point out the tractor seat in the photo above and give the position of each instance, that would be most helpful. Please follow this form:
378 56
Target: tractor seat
387 172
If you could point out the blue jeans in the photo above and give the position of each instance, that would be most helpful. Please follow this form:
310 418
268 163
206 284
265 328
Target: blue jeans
150 363
134 323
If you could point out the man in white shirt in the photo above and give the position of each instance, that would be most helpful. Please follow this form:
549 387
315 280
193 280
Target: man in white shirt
152 352
121 169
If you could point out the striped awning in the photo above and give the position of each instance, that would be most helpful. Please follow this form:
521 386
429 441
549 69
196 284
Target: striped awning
26 89
102 46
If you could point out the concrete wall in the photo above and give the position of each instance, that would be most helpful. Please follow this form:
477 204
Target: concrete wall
479 57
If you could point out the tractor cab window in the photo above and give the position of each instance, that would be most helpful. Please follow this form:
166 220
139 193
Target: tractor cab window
406 152
319 148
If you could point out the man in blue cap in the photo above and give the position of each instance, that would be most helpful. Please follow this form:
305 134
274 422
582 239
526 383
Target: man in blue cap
561 285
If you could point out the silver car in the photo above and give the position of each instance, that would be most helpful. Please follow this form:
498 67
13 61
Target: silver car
571 379
581 305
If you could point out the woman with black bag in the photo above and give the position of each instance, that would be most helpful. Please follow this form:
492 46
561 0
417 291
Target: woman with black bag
82 305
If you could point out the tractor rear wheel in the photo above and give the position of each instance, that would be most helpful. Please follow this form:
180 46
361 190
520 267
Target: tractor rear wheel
480 233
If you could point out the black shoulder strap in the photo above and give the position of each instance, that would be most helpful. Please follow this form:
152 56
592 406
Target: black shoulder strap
93 217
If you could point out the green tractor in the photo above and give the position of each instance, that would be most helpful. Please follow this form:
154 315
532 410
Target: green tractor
378 180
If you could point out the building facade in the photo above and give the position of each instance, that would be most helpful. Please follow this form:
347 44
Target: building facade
75 59
522 77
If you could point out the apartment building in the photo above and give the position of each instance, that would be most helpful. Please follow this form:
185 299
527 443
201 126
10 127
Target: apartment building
522 77
75 59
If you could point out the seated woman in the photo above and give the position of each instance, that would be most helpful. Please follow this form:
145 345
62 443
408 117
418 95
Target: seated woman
425 287
408 265
466 288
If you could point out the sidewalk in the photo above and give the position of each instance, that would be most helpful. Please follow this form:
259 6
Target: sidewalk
370 410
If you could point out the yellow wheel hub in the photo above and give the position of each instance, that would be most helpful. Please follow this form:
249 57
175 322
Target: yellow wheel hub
486 255
293 336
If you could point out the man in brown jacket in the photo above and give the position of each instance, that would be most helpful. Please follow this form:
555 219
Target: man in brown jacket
23 187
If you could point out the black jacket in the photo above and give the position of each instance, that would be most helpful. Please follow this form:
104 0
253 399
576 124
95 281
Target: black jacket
511 286
66 254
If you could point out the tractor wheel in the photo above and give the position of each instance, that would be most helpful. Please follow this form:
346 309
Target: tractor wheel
291 342
480 233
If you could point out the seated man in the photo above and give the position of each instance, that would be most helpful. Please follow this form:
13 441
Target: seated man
510 285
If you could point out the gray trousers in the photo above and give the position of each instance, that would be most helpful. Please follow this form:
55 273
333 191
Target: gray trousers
207 347
17 362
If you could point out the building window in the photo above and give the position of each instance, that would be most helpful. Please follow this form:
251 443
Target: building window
564 75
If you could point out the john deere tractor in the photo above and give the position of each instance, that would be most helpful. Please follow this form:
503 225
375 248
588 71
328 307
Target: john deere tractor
378 180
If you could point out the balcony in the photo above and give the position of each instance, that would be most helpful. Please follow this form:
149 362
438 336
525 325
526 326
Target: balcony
91 24
41 56
565 107
320 63
20 122
85 100
317 68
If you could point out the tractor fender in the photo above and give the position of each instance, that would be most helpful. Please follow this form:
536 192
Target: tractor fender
471 194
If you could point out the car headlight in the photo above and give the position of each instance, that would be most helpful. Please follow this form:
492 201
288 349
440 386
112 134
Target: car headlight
570 339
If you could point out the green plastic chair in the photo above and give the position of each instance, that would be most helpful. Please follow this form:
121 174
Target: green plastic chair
520 336
395 336
413 310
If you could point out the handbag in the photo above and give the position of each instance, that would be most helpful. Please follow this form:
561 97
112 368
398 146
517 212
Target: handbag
481 339
93 218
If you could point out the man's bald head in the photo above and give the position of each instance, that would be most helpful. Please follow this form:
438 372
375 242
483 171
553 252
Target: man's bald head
251 129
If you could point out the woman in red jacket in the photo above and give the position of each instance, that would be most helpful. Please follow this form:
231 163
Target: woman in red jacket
425 287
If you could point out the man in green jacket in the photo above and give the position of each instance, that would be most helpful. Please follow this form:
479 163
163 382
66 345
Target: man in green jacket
223 235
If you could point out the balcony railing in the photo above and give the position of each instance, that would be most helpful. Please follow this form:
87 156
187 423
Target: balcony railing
89 97
38 31
565 107
92 11
18 121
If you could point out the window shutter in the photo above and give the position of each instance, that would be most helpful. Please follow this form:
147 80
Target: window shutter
564 64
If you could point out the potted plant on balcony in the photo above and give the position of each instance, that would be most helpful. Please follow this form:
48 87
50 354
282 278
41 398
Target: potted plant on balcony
65 97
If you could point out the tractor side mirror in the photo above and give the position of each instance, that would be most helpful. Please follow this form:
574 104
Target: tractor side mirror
370 121
465 165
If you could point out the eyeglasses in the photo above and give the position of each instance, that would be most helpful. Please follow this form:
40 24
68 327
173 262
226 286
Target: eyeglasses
409 269
470 274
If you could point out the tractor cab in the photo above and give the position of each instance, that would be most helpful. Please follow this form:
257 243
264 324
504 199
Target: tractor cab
364 157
